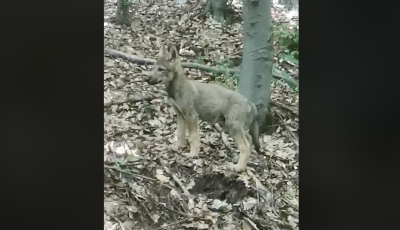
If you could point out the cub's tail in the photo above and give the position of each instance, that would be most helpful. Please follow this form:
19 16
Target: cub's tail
253 129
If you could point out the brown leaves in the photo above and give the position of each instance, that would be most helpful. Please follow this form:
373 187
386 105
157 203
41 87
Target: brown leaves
149 186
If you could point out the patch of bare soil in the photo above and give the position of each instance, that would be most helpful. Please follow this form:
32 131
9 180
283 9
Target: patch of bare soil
148 186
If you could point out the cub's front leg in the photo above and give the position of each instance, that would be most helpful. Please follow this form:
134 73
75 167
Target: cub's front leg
181 126
180 132
194 137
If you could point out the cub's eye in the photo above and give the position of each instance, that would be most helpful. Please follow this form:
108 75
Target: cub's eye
161 69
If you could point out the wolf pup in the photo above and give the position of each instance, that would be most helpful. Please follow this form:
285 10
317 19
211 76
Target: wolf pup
212 103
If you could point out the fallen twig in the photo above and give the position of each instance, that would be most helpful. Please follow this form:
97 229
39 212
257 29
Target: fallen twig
173 210
184 189
268 197
120 223
292 136
148 61
175 223
131 99
130 173
145 208
129 57
256 220
258 199
139 175
112 227
251 223
169 204
255 179
286 107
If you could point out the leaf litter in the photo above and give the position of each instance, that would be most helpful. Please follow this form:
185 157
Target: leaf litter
148 186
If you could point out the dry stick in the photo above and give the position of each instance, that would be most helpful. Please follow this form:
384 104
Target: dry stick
145 61
169 204
173 210
140 176
132 58
255 219
114 226
120 223
132 99
262 187
145 208
148 178
251 223
178 222
292 136
255 179
286 107
184 189
130 173
258 200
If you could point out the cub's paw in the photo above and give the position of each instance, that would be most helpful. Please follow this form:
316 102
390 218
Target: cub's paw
191 154
178 146
175 148
181 143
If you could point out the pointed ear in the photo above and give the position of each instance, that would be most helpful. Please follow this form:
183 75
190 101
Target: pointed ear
173 53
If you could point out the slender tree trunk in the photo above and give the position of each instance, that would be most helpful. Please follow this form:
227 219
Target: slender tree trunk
219 10
256 73
122 16
295 4
291 4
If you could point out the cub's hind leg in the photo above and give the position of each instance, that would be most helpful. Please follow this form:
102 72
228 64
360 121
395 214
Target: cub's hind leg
244 148
235 119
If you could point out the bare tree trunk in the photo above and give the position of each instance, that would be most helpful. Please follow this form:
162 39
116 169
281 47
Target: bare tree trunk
295 4
256 73
219 10
291 4
122 16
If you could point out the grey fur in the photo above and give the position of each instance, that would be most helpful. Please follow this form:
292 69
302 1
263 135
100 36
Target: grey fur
209 102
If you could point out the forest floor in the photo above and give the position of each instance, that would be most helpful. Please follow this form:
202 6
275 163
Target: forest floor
147 186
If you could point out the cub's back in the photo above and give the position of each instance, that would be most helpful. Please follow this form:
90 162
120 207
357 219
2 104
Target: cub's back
216 92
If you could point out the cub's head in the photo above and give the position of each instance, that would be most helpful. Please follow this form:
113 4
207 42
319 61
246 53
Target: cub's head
167 64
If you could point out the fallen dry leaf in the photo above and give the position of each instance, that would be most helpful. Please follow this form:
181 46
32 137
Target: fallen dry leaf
162 178
138 122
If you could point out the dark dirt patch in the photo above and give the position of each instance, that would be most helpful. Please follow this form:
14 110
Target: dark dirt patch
217 186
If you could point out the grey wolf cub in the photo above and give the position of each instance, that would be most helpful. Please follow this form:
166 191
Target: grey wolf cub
212 103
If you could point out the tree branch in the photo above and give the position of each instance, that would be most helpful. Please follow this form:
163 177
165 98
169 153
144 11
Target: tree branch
148 61
130 99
